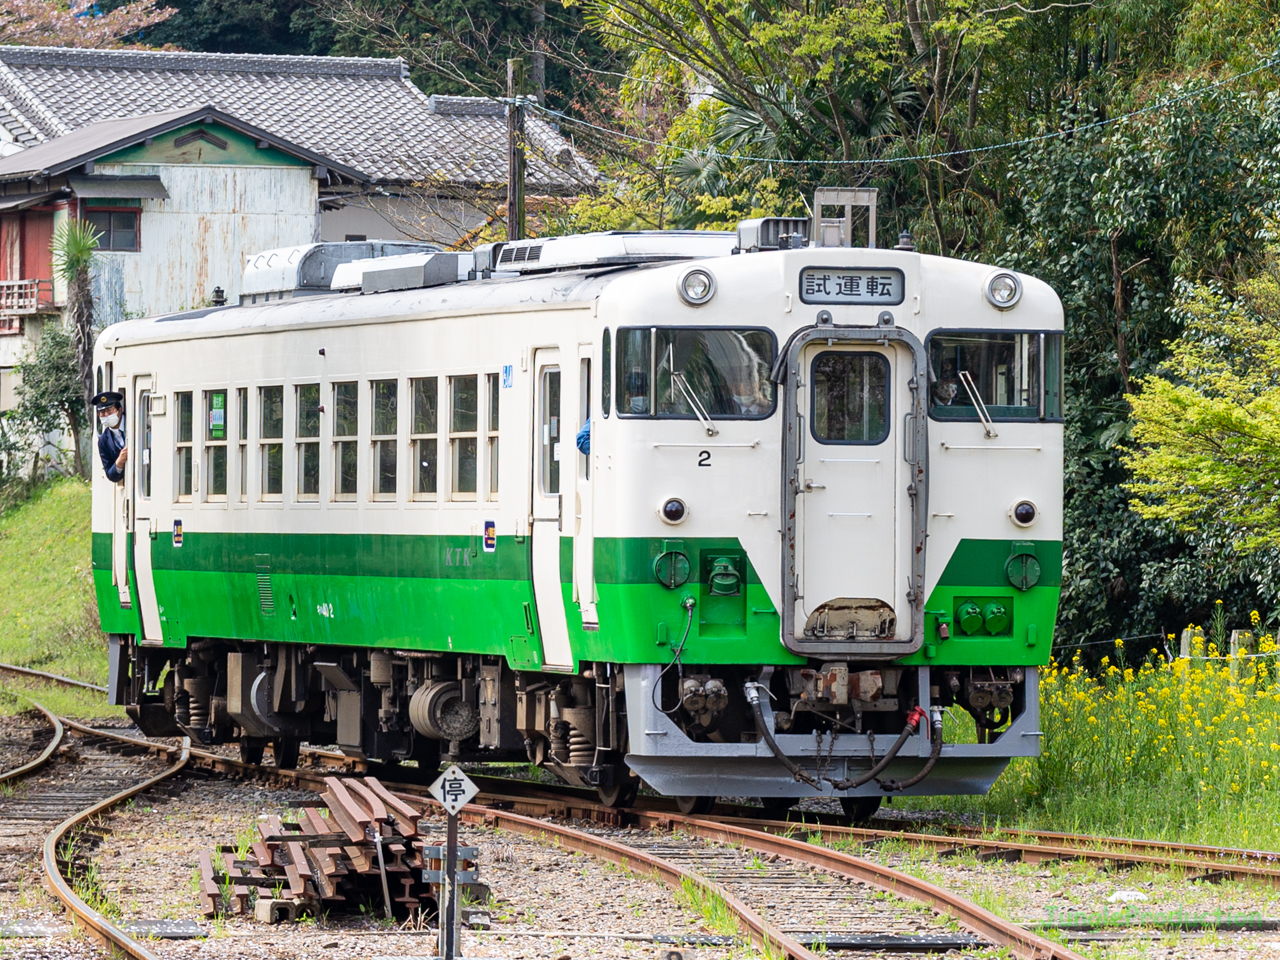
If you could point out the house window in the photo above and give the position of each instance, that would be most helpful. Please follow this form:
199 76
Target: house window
423 436
463 408
242 437
307 441
346 423
215 443
491 382
383 435
183 444
270 437
357 237
118 228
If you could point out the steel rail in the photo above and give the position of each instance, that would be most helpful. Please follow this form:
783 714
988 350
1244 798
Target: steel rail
45 754
1050 838
51 677
98 926
1030 852
762 933
1021 941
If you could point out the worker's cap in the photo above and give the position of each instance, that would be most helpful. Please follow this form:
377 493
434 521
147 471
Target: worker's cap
108 398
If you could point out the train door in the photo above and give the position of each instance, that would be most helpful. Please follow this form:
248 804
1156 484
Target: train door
141 456
584 581
851 493
122 522
547 510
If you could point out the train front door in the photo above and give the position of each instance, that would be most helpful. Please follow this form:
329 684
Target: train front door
122 522
140 472
851 496
547 508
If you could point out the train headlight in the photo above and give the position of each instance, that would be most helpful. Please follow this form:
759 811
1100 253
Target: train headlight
697 286
1003 290
1024 513
673 511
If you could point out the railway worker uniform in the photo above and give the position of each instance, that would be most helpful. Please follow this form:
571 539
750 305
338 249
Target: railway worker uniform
583 439
111 445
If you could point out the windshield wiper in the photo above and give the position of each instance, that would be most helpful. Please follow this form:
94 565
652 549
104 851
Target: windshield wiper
698 409
981 407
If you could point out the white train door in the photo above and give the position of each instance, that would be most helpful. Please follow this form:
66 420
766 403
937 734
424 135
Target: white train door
547 513
584 543
141 456
122 522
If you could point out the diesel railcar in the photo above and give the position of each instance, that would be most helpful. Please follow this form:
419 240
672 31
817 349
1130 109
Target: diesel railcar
727 513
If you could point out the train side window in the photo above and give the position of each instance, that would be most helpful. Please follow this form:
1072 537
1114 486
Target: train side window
307 440
850 397
144 460
423 437
551 431
463 443
383 434
271 441
606 374
242 439
713 373
183 444
215 444
346 449
491 382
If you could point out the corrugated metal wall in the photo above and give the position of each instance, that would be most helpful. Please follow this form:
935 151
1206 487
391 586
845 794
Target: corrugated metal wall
198 239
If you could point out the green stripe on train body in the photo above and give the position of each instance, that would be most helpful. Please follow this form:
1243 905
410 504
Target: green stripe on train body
447 594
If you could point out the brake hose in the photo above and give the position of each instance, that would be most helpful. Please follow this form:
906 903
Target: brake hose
752 691
688 604
913 724
889 786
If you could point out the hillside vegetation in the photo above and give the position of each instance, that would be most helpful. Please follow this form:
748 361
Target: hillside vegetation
48 617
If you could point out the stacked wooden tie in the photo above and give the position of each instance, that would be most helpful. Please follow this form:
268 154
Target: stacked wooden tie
328 860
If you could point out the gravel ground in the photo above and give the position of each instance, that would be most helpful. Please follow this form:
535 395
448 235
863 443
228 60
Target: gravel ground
146 866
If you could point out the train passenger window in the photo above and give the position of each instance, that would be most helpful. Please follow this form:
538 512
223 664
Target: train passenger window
464 403
551 431
1006 372
215 444
183 444
242 438
307 440
695 373
144 461
606 375
270 441
346 450
386 418
491 381
850 397
422 434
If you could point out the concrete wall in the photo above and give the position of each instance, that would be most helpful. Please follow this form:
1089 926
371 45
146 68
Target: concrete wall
198 239
439 220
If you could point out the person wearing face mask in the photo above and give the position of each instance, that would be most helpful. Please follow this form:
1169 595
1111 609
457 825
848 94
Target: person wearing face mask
947 387
111 446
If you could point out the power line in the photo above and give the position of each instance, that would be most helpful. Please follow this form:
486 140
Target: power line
942 155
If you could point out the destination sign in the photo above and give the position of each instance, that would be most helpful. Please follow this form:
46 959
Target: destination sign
859 286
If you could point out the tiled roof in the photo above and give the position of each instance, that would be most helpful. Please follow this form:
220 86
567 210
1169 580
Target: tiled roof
361 111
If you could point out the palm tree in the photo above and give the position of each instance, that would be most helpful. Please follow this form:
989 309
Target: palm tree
74 245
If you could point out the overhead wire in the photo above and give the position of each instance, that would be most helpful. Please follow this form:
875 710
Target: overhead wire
939 155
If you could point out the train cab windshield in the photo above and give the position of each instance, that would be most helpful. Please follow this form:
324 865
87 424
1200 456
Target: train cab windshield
687 373
1013 376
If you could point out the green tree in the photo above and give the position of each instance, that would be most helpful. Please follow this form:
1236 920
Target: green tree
51 396
74 246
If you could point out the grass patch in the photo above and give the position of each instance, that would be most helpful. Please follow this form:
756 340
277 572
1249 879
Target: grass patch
709 905
48 613
1188 750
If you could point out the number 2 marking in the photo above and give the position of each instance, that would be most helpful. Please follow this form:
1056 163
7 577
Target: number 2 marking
704 458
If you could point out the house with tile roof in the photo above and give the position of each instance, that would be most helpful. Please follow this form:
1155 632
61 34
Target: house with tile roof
188 163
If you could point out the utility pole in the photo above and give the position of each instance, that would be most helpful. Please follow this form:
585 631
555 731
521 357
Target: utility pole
515 149
540 50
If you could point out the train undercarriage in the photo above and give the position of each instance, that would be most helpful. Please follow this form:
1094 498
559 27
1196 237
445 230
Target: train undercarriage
850 730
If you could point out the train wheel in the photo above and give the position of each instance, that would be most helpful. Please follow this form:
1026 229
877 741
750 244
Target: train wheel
695 806
251 749
286 750
775 808
622 793
860 809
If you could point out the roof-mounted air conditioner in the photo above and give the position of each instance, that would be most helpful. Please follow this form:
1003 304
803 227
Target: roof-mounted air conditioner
308 269
406 272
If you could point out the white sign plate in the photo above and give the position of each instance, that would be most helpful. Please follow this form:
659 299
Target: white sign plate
859 285
454 789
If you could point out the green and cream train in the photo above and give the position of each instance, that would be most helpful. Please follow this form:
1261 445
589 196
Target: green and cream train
726 513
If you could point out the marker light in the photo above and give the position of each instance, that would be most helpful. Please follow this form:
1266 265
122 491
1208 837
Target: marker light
674 510
696 287
1024 513
1003 290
